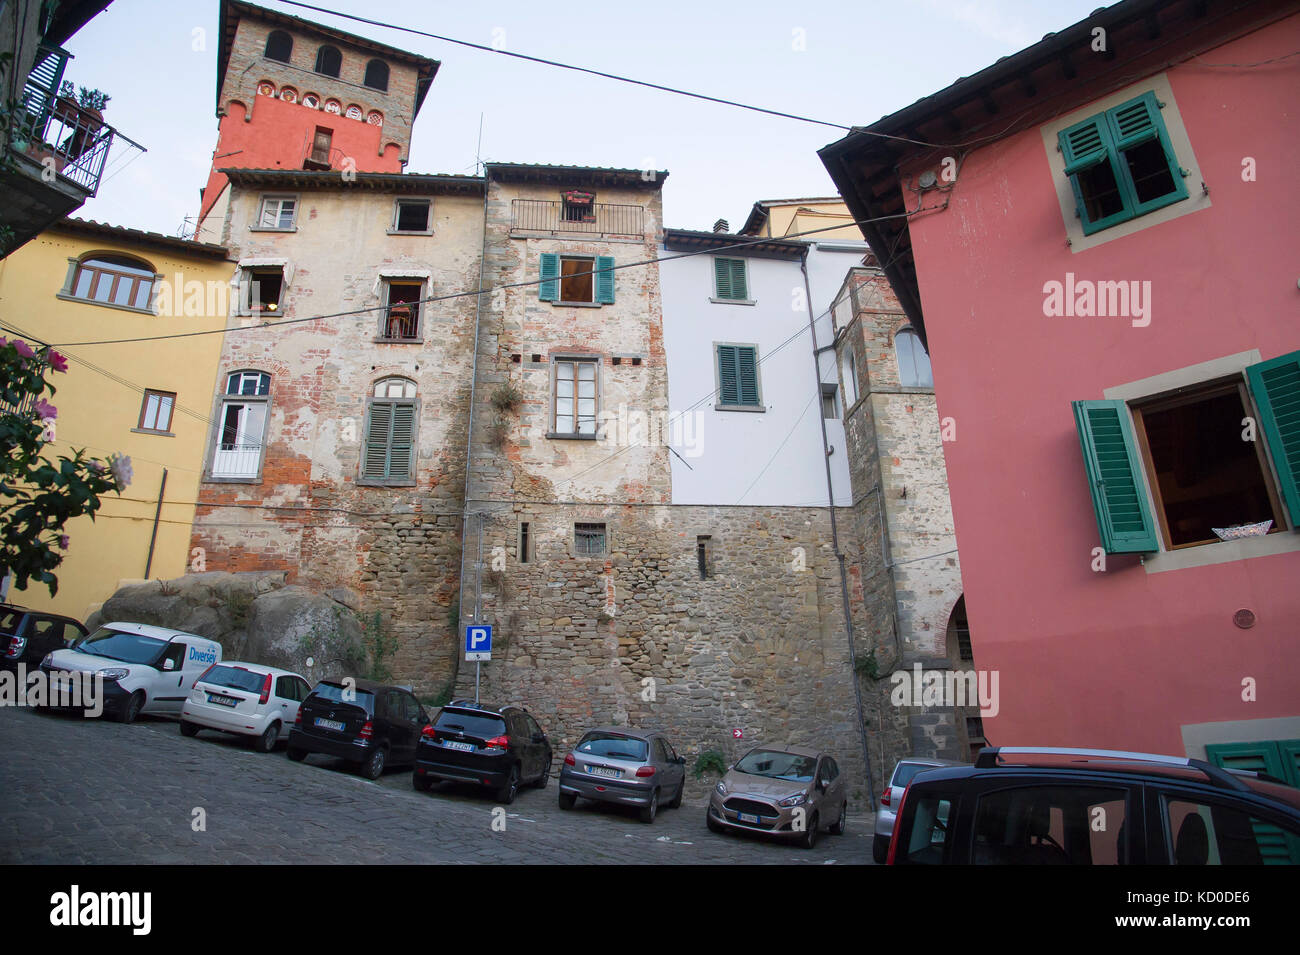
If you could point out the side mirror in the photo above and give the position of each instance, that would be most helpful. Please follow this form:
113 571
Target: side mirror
169 665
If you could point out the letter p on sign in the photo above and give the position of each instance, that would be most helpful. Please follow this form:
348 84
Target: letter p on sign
478 642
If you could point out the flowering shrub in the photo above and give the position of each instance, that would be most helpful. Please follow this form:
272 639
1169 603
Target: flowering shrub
38 496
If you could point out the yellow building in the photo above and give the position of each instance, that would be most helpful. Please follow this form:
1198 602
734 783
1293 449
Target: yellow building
777 218
80 282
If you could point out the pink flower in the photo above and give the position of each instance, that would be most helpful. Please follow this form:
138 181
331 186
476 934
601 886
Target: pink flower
57 361
122 471
96 466
46 411
23 348
3 341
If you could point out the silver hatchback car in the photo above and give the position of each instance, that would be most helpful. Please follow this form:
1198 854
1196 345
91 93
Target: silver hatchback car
887 811
629 767
785 791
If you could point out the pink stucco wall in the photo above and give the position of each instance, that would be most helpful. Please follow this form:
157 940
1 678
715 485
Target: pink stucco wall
1119 659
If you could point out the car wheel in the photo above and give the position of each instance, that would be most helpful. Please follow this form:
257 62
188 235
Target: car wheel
189 729
714 825
676 802
842 823
880 849
295 754
266 742
545 778
373 768
132 707
649 812
506 794
568 800
810 834
421 783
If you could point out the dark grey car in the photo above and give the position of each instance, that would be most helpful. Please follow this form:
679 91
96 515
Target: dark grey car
625 766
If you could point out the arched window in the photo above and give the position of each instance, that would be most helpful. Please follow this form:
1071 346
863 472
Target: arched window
913 362
377 75
241 426
113 280
279 46
329 61
391 415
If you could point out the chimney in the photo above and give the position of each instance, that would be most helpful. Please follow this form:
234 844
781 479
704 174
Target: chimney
721 226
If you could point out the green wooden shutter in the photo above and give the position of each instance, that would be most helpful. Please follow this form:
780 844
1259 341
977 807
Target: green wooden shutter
1119 496
1275 385
722 278
401 442
605 279
43 86
1269 756
728 377
747 368
1135 122
374 463
549 290
739 287
1085 144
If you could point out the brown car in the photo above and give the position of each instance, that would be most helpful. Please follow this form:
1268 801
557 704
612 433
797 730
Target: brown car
785 791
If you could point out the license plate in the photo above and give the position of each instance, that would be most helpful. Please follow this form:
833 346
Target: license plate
463 747
604 771
746 817
329 724
222 700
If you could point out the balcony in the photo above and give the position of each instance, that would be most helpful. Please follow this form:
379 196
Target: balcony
602 220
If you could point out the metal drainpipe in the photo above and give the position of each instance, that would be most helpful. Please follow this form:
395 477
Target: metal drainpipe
153 538
469 441
835 536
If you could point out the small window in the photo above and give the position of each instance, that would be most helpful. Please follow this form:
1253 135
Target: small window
264 289
913 362
576 280
278 212
401 318
279 46
575 397
114 280
248 383
729 279
525 543
849 372
156 411
322 143
389 455
576 206
702 546
576 277
738 377
411 215
377 75
329 61
1121 164
830 405
589 540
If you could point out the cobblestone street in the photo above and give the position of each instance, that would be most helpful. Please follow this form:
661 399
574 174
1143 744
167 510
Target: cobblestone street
98 792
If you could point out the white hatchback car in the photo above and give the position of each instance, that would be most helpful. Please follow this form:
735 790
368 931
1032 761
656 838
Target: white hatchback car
247 699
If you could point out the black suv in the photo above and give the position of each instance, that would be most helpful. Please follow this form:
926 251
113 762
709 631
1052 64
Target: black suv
27 635
1042 806
494 746
370 724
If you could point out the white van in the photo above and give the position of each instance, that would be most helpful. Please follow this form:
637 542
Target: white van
145 669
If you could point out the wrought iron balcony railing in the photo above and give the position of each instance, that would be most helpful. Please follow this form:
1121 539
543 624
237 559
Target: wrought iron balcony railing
601 219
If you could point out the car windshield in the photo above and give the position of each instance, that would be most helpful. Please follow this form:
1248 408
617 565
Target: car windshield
237 678
791 766
334 693
613 746
126 647
471 723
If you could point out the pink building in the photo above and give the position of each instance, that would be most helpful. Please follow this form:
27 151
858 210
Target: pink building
1099 246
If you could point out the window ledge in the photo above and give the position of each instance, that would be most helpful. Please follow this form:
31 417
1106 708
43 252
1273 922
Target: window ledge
398 341
161 434
210 479
91 301
580 304
262 228
733 301
573 437
1223 552
753 408
408 232
379 482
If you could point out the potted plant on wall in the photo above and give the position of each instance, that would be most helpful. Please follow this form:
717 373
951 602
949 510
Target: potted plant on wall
82 110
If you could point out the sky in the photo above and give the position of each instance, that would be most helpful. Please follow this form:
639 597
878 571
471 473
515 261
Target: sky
844 62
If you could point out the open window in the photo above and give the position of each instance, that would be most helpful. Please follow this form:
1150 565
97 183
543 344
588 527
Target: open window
412 215
279 212
377 75
263 289
279 46
241 426
576 279
329 61
400 320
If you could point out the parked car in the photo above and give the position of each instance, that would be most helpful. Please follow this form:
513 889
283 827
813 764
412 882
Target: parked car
246 699
783 791
491 746
26 636
889 799
145 669
1042 806
374 725
628 767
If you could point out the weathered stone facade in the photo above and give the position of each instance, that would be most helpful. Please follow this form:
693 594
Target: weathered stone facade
901 531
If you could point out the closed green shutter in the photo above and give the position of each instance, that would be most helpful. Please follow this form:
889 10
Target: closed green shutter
728 387
375 460
747 364
1275 385
737 375
729 279
739 287
722 278
402 442
549 289
1119 496
605 279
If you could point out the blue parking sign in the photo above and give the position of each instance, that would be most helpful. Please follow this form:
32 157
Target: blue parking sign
478 641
